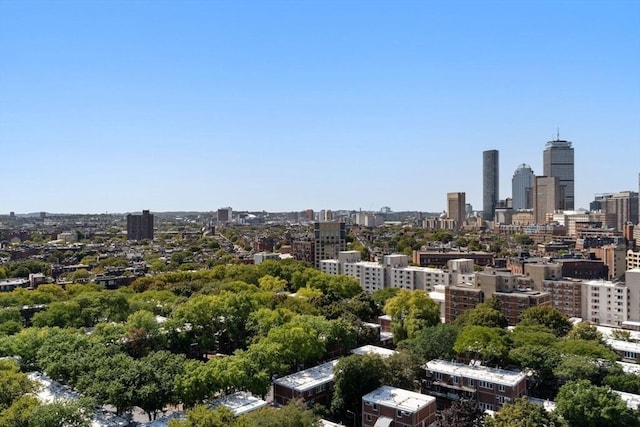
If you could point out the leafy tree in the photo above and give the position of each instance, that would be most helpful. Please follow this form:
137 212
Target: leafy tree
536 335
203 416
483 314
629 383
548 316
586 348
461 413
155 375
410 312
294 414
483 343
621 335
109 377
18 414
299 344
355 376
403 370
13 383
63 413
585 331
381 296
539 360
574 367
272 284
59 314
435 342
582 404
523 413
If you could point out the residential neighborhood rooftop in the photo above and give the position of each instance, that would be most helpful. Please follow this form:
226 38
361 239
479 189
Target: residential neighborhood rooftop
482 373
398 398
309 378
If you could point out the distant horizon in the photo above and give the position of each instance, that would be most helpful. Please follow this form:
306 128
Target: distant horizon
112 105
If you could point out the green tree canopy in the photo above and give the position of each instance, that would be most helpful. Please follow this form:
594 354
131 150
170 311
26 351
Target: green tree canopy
523 413
411 311
582 404
548 316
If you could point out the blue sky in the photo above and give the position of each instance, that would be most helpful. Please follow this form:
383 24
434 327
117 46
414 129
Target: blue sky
115 106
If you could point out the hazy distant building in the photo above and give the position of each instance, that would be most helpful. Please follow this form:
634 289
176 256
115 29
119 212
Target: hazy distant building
522 188
225 215
329 240
546 197
456 207
558 162
140 227
490 183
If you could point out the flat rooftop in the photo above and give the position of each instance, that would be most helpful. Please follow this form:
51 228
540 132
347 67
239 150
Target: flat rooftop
398 398
373 349
309 378
632 400
240 403
481 373
624 345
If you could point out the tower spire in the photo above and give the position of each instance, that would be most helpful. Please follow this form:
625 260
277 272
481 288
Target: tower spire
558 134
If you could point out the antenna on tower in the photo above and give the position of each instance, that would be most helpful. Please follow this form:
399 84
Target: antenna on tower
558 135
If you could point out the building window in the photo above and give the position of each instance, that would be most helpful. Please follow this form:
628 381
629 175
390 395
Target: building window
501 388
439 376
485 384
470 382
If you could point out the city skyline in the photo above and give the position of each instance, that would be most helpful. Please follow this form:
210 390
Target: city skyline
284 106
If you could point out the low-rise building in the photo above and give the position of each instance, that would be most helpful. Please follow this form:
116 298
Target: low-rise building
390 406
491 387
239 403
313 385
375 350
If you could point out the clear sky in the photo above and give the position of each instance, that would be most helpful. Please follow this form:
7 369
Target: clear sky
115 106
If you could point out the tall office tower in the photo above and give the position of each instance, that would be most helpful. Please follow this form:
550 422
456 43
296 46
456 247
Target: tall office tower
456 207
522 188
624 205
329 240
546 197
490 183
558 162
140 227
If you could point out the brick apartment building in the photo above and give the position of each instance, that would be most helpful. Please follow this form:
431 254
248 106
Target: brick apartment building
313 385
491 387
389 406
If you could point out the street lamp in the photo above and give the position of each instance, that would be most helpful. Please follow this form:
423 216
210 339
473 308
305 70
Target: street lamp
353 414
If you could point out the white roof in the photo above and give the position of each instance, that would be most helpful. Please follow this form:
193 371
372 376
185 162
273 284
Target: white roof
481 373
327 423
240 402
373 349
548 405
624 345
436 296
309 378
606 331
632 400
630 368
49 390
398 398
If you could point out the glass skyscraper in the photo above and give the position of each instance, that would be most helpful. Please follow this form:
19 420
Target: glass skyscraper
522 188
